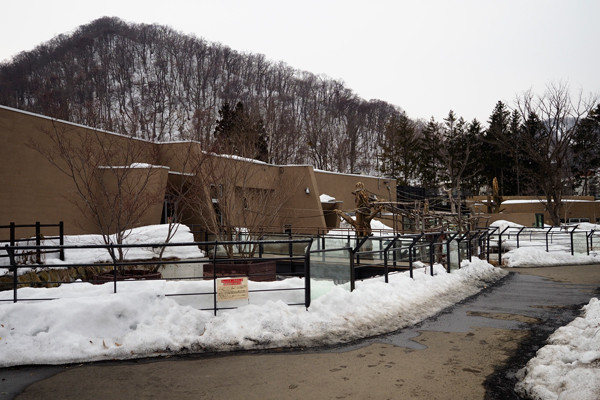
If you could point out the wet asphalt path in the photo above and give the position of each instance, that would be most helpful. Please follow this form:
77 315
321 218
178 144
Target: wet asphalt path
551 304
541 304
517 302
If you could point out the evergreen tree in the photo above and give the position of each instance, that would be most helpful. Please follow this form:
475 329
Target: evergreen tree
457 158
496 150
239 133
455 150
586 149
517 154
531 132
400 149
475 179
429 162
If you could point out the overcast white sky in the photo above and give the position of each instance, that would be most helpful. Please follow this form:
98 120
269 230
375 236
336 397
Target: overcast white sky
425 56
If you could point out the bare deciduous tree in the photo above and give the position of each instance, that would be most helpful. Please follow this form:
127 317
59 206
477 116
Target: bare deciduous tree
116 180
235 197
551 123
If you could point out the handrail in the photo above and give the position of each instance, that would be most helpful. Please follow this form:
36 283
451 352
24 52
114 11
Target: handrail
110 247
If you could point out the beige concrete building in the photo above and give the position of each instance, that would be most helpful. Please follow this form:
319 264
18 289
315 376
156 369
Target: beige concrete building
96 181
531 211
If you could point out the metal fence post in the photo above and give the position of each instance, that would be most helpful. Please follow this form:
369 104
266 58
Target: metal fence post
448 253
518 234
431 254
572 232
111 252
572 244
489 234
467 235
61 239
307 293
410 258
500 245
410 253
215 278
12 234
38 233
13 263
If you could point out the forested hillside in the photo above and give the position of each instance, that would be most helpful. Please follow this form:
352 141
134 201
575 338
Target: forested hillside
151 82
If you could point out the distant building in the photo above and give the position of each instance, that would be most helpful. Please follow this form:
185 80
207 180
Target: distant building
531 211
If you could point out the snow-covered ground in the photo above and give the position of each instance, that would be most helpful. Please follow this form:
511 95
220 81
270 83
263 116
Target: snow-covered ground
147 234
568 367
531 251
88 322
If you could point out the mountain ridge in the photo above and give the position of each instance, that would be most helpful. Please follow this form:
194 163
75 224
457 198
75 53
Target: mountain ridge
152 82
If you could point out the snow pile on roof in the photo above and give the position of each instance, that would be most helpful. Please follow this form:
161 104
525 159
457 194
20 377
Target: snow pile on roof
325 198
567 367
89 322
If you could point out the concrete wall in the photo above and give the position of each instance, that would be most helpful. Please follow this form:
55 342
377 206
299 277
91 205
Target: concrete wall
341 187
522 209
35 186
38 185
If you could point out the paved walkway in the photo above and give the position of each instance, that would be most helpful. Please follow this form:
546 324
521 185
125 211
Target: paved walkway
470 351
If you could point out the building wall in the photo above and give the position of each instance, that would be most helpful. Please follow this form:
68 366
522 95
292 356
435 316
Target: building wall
32 188
35 189
342 186
522 209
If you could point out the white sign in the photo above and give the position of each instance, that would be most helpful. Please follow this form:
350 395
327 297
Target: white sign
232 289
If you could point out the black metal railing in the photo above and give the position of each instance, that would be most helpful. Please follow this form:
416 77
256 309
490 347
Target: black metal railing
37 238
569 239
339 258
380 255
116 265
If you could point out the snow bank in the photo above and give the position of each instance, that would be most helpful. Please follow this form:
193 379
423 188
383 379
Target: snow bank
503 224
90 323
378 228
567 367
536 257
151 234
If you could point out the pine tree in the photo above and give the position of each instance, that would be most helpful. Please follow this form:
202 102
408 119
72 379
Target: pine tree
517 154
239 133
429 163
496 149
400 149
475 178
586 149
